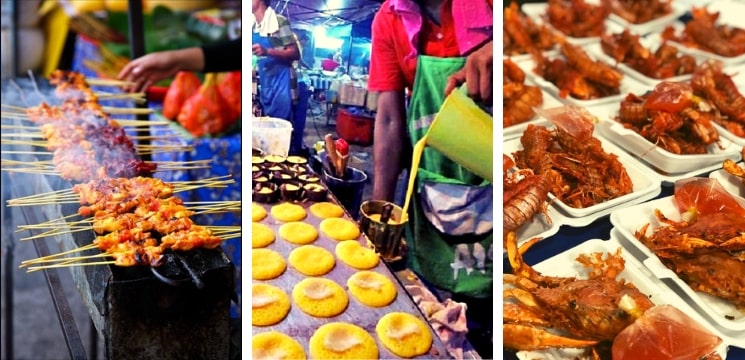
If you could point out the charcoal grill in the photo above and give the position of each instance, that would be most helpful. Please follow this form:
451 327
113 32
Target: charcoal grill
179 310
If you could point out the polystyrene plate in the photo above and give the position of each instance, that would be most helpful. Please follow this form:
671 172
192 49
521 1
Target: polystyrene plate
652 25
731 183
538 10
645 184
548 102
665 161
739 141
727 61
597 51
630 219
565 264
628 84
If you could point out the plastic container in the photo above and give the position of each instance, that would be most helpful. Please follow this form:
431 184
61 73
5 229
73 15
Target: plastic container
349 191
271 135
355 129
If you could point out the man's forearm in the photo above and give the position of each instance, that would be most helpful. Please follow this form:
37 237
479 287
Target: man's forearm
289 53
390 134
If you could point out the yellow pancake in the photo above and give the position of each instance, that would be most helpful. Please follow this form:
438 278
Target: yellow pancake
274 345
312 260
326 210
261 235
340 229
287 212
269 304
340 340
257 212
320 297
357 256
404 334
266 264
371 288
298 232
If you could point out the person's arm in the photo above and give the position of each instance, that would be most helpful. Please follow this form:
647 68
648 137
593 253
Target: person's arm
151 68
477 74
225 56
289 50
390 137
387 79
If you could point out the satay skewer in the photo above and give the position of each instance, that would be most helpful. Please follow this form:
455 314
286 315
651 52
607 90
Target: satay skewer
69 196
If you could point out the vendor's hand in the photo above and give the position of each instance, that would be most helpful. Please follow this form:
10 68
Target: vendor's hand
477 74
151 68
148 70
259 50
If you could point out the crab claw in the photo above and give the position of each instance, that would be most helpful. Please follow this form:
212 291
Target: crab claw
524 337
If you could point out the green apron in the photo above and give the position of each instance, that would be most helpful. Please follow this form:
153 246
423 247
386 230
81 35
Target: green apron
450 232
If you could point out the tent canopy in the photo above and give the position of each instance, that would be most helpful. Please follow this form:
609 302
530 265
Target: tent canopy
328 13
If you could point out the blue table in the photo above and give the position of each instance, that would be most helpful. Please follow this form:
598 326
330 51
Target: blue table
569 237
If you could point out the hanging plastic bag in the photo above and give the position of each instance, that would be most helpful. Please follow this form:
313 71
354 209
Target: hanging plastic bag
229 85
184 85
204 112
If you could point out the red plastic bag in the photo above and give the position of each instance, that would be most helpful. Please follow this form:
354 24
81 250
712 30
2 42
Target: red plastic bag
184 85
664 333
204 112
229 85
704 196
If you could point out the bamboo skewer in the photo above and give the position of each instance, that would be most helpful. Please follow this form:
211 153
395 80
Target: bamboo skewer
8 106
65 259
224 232
107 82
124 110
86 223
71 251
37 268
69 196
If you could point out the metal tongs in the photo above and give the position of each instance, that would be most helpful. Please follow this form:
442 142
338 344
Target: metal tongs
336 162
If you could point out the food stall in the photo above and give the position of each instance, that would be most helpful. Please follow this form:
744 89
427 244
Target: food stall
127 200
594 90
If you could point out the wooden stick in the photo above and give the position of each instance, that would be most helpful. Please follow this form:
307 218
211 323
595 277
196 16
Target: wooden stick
18 152
121 110
77 249
53 232
37 268
108 82
130 122
18 127
8 106
112 96
64 259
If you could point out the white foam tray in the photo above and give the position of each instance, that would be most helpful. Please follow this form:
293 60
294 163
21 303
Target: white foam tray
596 51
628 84
630 219
549 101
723 132
537 11
645 186
666 163
730 182
652 25
730 13
565 264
